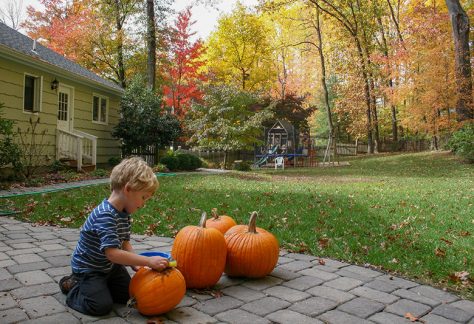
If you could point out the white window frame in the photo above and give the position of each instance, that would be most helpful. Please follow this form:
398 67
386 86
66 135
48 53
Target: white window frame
38 93
107 100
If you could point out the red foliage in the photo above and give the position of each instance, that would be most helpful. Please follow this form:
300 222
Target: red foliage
61 26
183 76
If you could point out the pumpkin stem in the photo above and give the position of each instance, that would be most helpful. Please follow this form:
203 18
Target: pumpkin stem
214 213
252 223
202 222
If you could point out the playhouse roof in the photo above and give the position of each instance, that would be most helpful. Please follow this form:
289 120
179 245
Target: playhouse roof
286 125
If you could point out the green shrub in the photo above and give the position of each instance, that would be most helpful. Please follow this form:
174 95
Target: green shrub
101 173
188 162
181 161
57 166
184 161
159 167
462 142
171 162
114 160
10 153
242 165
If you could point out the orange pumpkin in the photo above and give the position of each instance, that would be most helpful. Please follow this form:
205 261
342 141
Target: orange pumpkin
200 253
251 251
153 292
222 222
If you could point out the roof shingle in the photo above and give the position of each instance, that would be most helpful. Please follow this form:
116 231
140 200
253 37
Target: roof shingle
23 44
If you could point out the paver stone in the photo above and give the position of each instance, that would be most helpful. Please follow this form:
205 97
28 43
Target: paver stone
287 316
189 315
361 307
313 306
239 316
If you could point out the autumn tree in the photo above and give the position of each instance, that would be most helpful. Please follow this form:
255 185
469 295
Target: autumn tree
238 51
287 58
350 15
183 75
426 88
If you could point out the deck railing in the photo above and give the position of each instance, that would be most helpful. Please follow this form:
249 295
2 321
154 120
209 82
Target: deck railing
77 146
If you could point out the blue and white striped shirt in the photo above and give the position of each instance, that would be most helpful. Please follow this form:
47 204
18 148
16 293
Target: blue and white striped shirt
105 227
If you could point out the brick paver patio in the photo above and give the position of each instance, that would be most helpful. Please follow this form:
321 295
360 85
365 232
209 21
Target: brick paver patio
301 289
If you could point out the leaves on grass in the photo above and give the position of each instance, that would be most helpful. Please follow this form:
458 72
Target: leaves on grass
299 247
323 243
446 241
461 277
151 229
440 252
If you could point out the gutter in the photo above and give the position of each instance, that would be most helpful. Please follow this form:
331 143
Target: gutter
20 57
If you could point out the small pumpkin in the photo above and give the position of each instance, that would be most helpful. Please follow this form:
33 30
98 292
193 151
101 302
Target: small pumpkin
222 222
251 251
153 292
200 253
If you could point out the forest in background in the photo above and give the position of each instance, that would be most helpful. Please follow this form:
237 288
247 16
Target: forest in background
378 70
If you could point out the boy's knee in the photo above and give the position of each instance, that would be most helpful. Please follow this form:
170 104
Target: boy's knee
100 307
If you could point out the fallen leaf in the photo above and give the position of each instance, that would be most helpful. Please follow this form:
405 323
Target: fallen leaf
465 233
440 253
154 320
321 262
462 275
446 241
323 242
413 318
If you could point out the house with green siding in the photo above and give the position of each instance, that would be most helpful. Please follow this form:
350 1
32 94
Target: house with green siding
77 108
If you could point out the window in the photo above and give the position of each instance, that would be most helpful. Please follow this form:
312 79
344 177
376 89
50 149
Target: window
99 109
32 93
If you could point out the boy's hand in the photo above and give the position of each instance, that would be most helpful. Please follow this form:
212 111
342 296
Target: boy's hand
157 263
135 268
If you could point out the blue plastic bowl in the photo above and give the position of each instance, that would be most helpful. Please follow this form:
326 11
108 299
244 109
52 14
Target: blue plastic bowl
153 253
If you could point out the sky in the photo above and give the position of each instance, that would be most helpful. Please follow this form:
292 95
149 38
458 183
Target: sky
205 16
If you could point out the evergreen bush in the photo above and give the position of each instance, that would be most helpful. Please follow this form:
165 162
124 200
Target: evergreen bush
462 142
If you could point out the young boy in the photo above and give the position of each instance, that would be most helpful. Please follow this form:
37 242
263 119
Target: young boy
99 277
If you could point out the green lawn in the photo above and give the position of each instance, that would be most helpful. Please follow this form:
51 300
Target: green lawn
411 214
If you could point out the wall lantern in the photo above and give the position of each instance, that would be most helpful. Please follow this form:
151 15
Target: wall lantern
54 84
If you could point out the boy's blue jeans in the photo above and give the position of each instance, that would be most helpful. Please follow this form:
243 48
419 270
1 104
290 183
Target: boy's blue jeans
95 292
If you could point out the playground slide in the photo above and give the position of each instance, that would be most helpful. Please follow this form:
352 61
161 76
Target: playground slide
262 161
264 158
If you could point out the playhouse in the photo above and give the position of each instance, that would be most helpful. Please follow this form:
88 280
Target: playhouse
283 139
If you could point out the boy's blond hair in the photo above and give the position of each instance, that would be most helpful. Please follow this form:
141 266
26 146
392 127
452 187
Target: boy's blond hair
134 172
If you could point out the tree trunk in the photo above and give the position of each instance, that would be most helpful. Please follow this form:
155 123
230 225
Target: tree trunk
389 78
370 143
460 24
323 82
323 74
120 60
151 43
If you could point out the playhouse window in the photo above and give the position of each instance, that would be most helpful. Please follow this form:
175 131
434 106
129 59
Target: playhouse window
32 93
99 109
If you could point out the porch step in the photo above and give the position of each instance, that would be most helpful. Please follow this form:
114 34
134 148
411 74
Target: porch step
73 165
